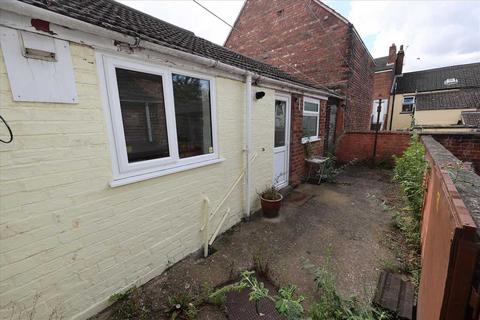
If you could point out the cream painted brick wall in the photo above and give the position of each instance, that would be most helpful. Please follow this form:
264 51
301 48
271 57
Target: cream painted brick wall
68 237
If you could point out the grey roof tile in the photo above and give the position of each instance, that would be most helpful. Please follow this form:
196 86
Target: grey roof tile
381 64
467 75
471 118
455 99
115 16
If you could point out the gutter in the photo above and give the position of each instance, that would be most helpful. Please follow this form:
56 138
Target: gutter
71 23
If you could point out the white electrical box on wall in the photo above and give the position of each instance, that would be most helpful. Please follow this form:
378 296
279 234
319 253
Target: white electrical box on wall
39 67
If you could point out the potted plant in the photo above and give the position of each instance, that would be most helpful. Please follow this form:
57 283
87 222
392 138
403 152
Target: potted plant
271 201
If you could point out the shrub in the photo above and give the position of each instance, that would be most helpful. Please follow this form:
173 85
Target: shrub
409 171
332 306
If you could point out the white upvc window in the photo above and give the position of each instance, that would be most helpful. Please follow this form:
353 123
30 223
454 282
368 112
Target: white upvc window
311 119
408 103
162 120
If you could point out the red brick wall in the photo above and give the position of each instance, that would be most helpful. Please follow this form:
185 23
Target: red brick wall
382 83
360 86
297 149
465 147
359 146
286 32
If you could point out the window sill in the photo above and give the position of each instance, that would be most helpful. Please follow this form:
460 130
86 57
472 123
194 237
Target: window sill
124 180
304 141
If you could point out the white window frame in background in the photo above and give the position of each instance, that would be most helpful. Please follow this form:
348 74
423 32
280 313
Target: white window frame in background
311 113
125 172
412 104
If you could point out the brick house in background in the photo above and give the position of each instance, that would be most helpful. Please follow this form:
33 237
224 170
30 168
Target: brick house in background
386 68
310 40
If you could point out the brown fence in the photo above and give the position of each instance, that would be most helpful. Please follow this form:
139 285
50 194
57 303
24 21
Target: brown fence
449 247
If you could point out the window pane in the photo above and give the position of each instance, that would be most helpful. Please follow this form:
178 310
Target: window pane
143 115
310 106
310 125
193 115
407 108
280 118
408 100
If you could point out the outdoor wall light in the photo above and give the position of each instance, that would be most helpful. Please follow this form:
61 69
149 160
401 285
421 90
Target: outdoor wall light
259 95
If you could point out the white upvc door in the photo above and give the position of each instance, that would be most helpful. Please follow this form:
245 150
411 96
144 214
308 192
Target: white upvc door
281 142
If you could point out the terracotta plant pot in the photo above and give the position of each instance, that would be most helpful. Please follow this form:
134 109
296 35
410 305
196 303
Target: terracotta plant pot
271 208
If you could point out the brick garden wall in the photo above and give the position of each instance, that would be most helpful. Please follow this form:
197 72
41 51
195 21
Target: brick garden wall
464 146
319 44
359 146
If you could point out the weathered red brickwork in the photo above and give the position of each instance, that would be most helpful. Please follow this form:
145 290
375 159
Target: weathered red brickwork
465 147
298 35
382 84
359 146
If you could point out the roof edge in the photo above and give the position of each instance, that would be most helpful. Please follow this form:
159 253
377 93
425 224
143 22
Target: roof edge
24 9
235 23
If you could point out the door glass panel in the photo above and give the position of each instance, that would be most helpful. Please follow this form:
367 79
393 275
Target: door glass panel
143 115
280 123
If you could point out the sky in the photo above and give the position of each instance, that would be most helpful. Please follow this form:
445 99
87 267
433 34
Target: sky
434 33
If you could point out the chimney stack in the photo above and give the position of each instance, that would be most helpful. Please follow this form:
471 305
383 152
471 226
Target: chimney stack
399 61
392 54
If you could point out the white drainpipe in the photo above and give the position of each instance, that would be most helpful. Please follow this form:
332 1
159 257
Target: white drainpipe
248 141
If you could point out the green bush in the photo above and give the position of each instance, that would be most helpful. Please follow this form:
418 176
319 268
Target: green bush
409 171
332 306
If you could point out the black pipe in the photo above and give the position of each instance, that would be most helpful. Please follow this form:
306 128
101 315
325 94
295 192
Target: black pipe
393 101
377 127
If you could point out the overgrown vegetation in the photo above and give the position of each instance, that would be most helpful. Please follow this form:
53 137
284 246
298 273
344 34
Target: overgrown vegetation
130 305
409 173
327 305
331 305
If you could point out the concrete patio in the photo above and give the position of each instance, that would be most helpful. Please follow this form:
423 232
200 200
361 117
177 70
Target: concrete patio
343 220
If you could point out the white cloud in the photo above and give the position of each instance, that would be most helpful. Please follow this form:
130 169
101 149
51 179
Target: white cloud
190 16
438 33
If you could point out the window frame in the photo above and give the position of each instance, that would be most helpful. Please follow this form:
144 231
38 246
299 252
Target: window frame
412 104
311 113
146 169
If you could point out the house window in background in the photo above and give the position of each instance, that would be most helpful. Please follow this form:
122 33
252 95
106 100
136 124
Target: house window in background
407 106
383 103
311 119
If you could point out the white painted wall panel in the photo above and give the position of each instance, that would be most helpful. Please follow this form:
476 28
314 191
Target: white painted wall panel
38 80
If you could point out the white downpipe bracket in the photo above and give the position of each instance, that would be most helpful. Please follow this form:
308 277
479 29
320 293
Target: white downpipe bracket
248 141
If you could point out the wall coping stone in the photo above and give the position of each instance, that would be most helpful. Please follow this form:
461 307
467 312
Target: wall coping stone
466 181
